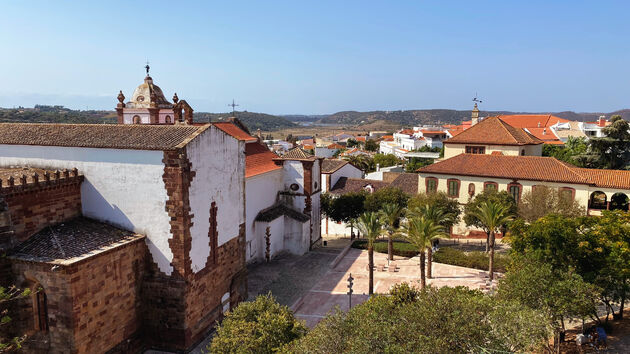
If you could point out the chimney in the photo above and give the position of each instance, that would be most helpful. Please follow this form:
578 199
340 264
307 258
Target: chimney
601 121
544 130
538 124
475 115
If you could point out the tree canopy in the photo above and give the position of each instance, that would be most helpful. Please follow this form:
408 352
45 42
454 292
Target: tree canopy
387 195
450 206
344 208
470 209
544 200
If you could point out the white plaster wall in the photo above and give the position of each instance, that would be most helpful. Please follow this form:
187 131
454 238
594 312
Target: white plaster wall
218 161
346 171
128 115
334 228
261 192
293 173
316 176
121 187
163 113
296 236
277 231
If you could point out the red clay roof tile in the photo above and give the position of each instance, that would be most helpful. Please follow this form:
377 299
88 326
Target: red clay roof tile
494 131
258 159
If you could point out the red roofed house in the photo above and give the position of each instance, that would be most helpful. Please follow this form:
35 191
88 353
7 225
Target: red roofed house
493 135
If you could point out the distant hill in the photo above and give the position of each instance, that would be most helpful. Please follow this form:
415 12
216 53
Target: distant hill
252 120
303 118
55 114
60 114
441 116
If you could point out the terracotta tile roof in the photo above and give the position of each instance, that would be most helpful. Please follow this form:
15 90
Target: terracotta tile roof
406 131
279 210
259 159
533 168
297 153
72 240
531 120
112 136
335 146
332 165
346 185
606 178
431 132
407 182
360 138
308 147
233 130
545 134
387 137
494 131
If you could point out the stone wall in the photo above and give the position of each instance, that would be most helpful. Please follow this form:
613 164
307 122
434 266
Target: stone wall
93 305
33 207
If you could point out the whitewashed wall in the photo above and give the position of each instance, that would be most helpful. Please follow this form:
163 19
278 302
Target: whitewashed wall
261 192
121 187
219 164
347 170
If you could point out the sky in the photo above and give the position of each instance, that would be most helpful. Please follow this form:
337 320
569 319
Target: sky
320 57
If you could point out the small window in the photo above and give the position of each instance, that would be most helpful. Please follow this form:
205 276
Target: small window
315 185
136 119
523 152
567 194
294 187
167 120
471 189
490 186
475 149
453 188
515 191
431 183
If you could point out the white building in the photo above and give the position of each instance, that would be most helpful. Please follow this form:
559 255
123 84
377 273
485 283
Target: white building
408 140
283 193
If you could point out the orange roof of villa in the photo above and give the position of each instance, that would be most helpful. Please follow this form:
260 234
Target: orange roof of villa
259 159
532 168
531 120
494 131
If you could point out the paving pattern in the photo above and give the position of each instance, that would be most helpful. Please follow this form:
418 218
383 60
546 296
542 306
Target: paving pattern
330 291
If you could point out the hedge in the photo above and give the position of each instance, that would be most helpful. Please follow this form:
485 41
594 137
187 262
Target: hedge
401 248
472 259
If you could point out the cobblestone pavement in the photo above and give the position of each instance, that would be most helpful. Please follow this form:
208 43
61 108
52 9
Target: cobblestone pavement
331 290
288 277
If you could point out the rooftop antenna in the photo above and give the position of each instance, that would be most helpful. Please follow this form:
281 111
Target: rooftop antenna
476 99
147 67
233 105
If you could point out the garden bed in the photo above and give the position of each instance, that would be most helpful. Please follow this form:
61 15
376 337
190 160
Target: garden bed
472 259
401 248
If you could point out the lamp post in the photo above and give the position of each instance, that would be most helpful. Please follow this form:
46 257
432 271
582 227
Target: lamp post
350 279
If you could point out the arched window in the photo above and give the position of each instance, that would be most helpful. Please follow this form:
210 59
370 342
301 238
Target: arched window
431 184
453 188
490 186
167 120
471 189
136 119
597 200
515 191
619 201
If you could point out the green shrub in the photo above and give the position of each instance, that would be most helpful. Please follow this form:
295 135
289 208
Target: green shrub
472 259
259 326
401 248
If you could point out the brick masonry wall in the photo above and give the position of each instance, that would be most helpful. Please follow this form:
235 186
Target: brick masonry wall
93 305
33 209
106 302
56 285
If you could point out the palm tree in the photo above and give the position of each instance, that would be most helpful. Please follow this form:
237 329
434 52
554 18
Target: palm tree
390 215
370 226
421 232
437 214
492 216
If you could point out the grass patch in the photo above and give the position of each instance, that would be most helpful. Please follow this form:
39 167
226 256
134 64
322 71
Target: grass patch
401 248
472 259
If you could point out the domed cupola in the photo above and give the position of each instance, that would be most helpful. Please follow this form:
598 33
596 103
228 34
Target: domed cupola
148 95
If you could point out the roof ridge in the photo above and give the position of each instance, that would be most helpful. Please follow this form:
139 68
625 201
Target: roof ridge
503 124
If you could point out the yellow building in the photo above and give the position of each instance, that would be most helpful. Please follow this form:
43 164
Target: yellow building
465 175
493 136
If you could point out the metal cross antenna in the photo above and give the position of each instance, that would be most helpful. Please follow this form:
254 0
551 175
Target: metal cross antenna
147 67
233 105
